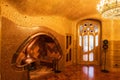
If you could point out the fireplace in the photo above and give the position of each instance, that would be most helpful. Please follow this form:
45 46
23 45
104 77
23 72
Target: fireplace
15 41
38 51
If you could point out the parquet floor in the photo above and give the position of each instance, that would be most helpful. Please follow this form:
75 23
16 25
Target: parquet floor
79 72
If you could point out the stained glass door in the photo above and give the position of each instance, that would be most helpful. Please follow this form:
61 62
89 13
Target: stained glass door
89 43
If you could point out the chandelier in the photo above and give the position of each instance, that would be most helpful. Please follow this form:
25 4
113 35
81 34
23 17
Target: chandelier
109 9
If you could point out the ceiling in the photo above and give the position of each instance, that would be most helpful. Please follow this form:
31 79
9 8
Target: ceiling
71 9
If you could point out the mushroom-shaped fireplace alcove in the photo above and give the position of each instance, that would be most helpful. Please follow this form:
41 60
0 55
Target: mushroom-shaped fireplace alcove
39 51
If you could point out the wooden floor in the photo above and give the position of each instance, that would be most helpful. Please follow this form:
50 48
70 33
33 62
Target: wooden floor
79 72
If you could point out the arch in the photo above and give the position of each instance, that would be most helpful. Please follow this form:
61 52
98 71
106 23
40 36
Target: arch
32 40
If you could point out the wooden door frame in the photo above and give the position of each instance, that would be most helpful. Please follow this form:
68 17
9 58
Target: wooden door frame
77 41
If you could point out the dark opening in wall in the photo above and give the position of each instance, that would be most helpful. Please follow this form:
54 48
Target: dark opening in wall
38 51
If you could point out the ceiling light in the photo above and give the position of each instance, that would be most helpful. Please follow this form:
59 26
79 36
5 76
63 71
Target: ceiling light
109 9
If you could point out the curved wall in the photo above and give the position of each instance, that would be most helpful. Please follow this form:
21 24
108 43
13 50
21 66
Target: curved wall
12 37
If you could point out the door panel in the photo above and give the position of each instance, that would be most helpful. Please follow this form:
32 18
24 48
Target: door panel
89 40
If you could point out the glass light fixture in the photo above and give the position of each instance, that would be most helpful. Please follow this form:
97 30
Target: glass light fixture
109 9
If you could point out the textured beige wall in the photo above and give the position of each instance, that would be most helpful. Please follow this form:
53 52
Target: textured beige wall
116 30
0 46
14 35
60 24
107 30
111 31
10 42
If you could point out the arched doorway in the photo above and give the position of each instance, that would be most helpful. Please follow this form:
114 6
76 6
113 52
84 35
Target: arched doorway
89 42
41 50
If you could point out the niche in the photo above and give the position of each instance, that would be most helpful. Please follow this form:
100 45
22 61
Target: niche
38 51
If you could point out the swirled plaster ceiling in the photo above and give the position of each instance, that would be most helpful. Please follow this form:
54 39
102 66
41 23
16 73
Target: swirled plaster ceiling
69 9
72 9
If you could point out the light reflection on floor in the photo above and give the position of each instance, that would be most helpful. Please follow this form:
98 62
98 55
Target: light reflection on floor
89 71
